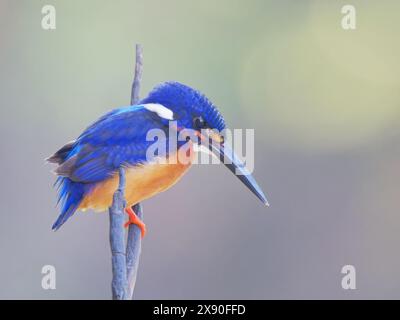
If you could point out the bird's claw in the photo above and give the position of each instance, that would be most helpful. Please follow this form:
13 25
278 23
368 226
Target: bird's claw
134 219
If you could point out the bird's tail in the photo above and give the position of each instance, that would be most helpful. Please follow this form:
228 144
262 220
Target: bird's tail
61 155
70 195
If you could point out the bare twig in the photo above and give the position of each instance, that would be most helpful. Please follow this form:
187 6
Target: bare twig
134 243
138 75
117 241
133 250
125 262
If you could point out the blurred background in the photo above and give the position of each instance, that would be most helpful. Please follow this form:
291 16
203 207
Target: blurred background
324 103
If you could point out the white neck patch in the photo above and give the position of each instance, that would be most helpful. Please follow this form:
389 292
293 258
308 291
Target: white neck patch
162 112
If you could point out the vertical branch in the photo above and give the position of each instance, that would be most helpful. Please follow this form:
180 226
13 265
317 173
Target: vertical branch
134 244
133 251
138 75
117 237
125 261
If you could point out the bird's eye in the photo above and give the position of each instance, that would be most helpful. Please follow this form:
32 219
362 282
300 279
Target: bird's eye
199 123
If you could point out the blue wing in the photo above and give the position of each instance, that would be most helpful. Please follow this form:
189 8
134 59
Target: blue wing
118 138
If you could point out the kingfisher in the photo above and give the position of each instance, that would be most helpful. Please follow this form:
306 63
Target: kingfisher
88 167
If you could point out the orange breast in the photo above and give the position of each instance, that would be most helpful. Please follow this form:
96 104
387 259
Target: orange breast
142 182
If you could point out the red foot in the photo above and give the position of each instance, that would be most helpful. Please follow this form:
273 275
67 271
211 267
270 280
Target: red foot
134 219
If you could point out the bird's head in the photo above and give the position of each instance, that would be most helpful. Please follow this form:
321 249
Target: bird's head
190 108
193 110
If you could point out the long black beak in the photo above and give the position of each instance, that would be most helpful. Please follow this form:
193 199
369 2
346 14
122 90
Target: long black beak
236 166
